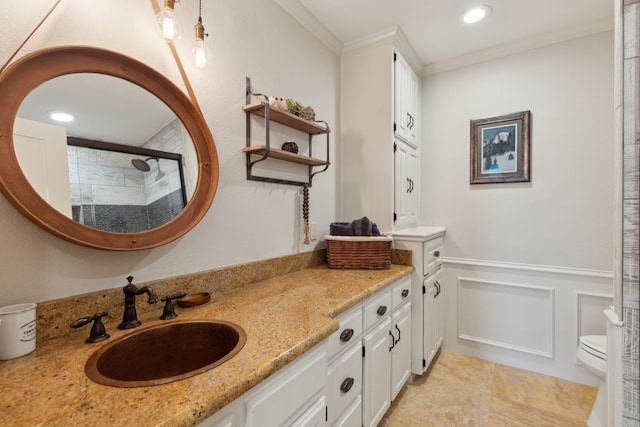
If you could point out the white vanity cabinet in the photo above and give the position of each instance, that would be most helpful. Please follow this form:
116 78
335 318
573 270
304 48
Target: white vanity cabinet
349 380
428 292
294 396
288 395
386 349
376 374
380 94
344 374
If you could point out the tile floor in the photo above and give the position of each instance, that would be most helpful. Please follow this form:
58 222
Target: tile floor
466 391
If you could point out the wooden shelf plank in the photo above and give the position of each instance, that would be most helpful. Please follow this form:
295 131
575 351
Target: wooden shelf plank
277 153
287 119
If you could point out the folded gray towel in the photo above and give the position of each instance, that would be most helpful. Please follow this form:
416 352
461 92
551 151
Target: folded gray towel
357 227
341 229
361 227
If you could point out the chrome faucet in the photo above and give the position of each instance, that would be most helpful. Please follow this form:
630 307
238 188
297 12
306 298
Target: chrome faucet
130 315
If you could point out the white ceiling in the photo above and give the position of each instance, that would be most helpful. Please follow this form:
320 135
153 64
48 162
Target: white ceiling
436 32
105 108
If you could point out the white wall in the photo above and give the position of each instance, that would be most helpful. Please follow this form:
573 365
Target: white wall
563 216
528 266
247 220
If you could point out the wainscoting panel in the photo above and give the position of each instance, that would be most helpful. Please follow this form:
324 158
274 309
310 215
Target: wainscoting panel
591 307
509 315
522 315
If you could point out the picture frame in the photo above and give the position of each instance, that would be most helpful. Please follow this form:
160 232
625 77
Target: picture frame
500 149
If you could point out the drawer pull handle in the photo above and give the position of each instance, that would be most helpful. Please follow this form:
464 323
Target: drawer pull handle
346 385
436 254
382 310
346 335
405 293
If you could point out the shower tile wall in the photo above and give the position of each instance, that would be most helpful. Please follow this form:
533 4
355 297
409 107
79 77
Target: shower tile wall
630 210
108 193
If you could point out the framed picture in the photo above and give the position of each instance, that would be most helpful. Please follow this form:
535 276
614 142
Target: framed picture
500 149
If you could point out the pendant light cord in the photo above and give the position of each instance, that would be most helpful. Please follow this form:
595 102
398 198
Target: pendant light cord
174 52
29 36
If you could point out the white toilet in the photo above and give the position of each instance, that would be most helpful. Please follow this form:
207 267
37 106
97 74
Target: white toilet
592 354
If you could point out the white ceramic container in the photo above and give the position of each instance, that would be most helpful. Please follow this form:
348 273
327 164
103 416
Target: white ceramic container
17 330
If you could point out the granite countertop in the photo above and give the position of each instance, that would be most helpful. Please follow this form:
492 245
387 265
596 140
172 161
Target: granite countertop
283 317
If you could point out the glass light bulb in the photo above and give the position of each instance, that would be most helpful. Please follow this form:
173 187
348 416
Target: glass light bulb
201 54
168 24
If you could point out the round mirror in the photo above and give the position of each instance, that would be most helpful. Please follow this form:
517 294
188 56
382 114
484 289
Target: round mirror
133 167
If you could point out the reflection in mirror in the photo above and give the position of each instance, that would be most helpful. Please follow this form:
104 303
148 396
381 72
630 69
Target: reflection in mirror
95 182
115 190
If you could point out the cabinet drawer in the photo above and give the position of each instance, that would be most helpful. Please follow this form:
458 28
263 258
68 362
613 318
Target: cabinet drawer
377 308
352 417
349 332
289 391
344 381
432 255
401 292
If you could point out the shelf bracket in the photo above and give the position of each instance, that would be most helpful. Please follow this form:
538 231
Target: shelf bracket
248 95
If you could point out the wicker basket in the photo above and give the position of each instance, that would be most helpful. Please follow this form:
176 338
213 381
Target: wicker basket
372 253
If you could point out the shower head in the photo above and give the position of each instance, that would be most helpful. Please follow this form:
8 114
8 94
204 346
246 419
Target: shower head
141 165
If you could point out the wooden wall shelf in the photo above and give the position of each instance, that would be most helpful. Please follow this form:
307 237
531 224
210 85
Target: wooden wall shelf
287 119
264 152
277 153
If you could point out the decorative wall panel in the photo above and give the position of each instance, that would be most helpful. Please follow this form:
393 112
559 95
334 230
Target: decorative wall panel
509 315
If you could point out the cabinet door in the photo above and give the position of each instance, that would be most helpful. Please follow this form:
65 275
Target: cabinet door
412 107
401 353
289 392
406 184
229 416
376 378
314 416
352 417
433 322
401 82
344 381
438 317
429 306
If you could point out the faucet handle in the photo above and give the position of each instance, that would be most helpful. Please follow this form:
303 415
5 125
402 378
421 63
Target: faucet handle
168 312
98 332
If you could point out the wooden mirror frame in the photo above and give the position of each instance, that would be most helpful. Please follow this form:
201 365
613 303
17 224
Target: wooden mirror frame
23 76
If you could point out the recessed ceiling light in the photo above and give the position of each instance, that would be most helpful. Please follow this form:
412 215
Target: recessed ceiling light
476 14
60 116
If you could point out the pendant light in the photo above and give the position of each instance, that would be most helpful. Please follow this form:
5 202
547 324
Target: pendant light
168 24
201 53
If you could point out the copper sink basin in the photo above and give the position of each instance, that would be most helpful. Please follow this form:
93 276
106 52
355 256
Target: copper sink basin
165 353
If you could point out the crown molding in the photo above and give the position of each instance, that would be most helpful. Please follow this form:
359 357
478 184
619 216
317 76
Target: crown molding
391 35
518 46
311 23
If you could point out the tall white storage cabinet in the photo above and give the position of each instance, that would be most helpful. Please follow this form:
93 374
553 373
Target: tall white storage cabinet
428 292
380 132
